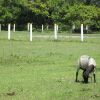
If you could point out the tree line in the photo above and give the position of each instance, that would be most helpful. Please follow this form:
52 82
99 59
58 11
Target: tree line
48 12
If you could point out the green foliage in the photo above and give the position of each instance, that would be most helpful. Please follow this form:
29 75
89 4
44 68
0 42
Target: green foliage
38 8
50 11
78 14
9 11
96 20
57 10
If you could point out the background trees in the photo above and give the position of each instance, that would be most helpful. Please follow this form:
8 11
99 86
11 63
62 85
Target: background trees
39 12
78 14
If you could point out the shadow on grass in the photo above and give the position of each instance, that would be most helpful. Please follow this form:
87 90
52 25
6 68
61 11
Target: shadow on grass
82 82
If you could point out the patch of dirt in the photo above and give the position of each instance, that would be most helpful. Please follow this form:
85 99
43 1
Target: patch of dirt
96 96
10 93
85 89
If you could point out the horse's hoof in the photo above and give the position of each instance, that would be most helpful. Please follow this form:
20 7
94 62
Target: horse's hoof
76 80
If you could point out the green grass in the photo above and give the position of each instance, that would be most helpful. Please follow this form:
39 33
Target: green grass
44 69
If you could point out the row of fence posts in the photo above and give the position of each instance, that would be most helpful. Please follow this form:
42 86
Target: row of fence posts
55 30
29 28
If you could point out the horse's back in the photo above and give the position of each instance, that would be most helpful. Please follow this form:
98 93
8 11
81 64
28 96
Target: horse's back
83 61
92 62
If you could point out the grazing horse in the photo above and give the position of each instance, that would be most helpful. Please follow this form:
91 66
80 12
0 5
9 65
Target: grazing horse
88 65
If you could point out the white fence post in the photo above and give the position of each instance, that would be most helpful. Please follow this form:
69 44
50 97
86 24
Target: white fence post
28 26
55 31
73 27
82 32
87 28
47 27
0 27
14 28
42 27
30 31
57 28
9 31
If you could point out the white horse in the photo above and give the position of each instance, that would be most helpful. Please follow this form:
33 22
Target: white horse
88 65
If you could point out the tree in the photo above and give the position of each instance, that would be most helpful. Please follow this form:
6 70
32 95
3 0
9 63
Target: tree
37 12
9 11
50 11
78 14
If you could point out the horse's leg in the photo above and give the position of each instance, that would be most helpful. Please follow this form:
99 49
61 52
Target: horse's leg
83 75
77 75
94 76
91 78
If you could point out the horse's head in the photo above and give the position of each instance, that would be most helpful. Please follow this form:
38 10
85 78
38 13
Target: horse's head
85 76
86 72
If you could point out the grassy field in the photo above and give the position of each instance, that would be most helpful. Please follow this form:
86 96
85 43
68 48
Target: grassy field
45 69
